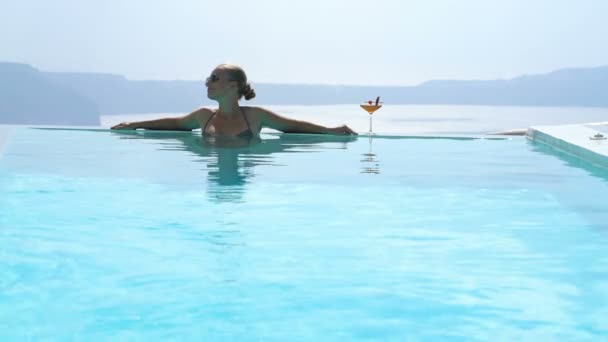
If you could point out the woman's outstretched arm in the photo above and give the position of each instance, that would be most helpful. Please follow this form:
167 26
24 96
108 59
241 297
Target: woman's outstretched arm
272 120
184 123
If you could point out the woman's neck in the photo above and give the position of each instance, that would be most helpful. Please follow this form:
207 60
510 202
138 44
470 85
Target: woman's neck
229 108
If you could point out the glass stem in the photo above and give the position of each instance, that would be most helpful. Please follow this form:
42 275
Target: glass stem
370 124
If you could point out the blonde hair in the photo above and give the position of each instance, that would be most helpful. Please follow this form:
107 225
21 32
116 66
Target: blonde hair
238 74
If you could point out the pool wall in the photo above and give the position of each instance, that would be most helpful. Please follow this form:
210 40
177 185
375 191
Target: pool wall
580 140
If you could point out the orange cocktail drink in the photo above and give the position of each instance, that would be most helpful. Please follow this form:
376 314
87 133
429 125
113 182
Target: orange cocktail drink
371 108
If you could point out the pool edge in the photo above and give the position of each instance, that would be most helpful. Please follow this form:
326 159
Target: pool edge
573 139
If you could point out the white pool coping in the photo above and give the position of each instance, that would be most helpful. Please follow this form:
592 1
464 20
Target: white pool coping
579 140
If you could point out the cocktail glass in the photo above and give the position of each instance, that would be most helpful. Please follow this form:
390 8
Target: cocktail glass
371 107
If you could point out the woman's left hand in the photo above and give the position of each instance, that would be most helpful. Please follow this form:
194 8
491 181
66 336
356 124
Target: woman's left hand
342 130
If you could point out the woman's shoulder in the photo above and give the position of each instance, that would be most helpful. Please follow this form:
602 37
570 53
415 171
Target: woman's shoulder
250 108
202 113
255 110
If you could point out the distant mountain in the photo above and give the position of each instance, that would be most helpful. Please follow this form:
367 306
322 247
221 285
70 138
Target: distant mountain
30 96
585 87
27 96
114 94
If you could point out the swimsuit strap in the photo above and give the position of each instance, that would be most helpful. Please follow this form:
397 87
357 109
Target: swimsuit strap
246 121
207 123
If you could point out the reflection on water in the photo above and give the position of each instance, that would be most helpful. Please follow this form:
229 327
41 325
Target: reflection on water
573 191
230 161
371 165
570 160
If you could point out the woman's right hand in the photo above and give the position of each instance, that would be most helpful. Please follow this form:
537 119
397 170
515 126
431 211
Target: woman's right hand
123 125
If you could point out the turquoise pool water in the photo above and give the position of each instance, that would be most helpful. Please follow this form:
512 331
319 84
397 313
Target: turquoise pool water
148 236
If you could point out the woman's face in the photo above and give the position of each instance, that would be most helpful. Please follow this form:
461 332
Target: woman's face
219 84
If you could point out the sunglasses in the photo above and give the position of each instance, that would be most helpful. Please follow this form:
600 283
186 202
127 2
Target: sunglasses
212 79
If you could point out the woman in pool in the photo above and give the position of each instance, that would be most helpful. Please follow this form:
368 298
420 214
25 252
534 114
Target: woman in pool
227 85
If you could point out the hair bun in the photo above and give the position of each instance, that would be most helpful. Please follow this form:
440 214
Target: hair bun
248 92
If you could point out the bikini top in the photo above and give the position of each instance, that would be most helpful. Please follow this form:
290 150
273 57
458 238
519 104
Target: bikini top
248 133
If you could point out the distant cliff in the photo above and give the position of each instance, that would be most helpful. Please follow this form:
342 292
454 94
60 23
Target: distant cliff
114 94
585 87
28 96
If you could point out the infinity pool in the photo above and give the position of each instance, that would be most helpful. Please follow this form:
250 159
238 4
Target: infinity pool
161 235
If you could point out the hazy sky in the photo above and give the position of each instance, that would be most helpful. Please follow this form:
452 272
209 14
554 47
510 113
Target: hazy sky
392 42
